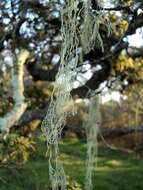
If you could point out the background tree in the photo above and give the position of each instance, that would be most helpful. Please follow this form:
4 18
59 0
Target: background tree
34 26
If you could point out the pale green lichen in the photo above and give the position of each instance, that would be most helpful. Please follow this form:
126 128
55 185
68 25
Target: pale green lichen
92 128
90 28
85 36
90 34
55 119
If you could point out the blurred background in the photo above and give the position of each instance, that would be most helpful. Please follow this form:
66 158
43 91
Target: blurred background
30 43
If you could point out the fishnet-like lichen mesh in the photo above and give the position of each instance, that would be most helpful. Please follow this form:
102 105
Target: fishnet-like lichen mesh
55 118
88 34
54 121
56 171
92 128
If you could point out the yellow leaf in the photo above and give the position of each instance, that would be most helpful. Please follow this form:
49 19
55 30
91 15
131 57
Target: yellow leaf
140 74
130 63
113 72
124 25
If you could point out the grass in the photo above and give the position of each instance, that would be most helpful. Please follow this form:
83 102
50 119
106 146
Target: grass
116 170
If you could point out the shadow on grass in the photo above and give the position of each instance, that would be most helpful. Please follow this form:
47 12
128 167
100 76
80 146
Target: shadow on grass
115 171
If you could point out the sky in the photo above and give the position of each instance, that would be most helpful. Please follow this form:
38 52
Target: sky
135 40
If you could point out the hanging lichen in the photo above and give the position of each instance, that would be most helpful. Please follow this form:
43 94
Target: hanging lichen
85 36
94 16
90 28
92 128
55 119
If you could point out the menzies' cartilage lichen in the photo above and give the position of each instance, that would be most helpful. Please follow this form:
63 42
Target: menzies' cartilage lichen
84 36
55 119
92 128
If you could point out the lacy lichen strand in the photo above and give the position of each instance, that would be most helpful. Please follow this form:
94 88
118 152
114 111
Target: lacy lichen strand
92 128
55 119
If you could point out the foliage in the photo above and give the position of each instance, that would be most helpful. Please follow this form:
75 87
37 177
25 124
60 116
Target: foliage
124 64
16 149
127 2
72 184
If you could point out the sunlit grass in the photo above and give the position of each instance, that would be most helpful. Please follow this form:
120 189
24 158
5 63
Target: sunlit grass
115 171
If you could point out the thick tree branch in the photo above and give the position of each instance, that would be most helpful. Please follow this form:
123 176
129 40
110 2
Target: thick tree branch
135 24
42 74
135 52
31 115
117 132
18 89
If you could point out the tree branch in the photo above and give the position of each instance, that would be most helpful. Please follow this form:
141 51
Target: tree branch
18 88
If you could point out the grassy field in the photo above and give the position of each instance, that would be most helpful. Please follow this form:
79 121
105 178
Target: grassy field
116 170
